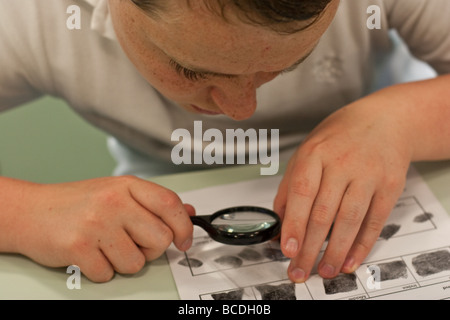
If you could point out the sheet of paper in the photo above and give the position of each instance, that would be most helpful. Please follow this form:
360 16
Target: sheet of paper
411 259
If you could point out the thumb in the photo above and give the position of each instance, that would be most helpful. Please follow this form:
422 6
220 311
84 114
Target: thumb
190 209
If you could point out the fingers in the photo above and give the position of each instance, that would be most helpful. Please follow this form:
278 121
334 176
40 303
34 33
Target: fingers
357 213
148 232
189 209
116 224
326 204
148 218
95 266
122 253
280 200
144 237
166 205
369 232
302 190
353 209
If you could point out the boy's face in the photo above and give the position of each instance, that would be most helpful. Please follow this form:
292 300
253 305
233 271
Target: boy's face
204 63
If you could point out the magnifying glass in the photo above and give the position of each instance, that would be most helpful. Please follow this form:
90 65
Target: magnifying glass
242 225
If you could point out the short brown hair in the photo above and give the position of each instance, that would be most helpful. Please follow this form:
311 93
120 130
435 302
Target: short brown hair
280 15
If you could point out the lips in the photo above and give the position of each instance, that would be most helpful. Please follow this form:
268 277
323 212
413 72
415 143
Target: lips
203 111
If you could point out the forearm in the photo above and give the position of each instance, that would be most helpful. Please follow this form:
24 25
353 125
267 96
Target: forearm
350 170
422 111
16 201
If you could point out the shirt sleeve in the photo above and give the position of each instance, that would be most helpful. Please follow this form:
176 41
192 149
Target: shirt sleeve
16 64
424 25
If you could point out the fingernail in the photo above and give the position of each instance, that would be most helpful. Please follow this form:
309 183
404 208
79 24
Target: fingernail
298 275
349 264
291 246
186 244
327 271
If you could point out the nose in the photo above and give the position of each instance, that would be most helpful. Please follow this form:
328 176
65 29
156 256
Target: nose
236 98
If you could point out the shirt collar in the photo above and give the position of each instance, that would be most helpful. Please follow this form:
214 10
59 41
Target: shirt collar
101 19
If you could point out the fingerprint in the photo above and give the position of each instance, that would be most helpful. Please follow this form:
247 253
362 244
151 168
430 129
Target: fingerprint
250 254
281 292
393 270
231 295
194 263
274 254
340 284
431 263
389 230
229 261
423 217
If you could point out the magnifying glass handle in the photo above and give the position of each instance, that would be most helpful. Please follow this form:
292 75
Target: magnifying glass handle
203 222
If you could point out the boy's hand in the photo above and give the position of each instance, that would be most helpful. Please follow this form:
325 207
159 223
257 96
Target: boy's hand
104 225
350 171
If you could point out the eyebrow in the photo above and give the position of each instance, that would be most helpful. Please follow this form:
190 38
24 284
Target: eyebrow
225 75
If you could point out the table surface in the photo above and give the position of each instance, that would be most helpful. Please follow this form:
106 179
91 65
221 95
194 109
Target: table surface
21 278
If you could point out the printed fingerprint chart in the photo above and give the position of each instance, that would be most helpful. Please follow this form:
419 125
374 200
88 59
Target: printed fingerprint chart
411 259
429 270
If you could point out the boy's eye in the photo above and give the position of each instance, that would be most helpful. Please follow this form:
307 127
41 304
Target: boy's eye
189 74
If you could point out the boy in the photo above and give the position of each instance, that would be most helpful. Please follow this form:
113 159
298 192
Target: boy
140 69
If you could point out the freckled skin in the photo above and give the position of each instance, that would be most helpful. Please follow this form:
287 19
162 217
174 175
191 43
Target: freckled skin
196 36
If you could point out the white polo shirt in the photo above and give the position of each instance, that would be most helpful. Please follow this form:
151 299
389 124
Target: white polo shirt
40 55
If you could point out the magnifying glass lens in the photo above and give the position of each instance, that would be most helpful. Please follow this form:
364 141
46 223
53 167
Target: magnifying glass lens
240 225
245 221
